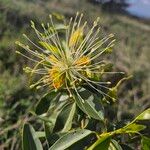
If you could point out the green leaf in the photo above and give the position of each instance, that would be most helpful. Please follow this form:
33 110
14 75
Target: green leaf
68 123
65 117
69 139
144 115
102 143
145 143
50 136
105 143
44 103
30 140
132 128
54 110
63 97
90 104
126 147
40 134
52 116
84 143
48 128
135 126
114 145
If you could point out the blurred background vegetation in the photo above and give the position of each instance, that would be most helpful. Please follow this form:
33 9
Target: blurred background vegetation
131 54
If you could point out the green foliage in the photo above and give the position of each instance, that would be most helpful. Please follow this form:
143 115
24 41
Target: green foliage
44 103
73 111
65 117
69 139
6 89
91 106
131 55
30 140
66 139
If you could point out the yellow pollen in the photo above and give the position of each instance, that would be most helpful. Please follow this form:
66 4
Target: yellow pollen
57 77
84 60
75 37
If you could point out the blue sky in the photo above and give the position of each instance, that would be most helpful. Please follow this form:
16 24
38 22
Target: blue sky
139 8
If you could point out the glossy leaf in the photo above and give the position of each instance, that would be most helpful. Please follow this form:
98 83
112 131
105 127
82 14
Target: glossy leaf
30 139
48 127
144 115
84 143
69 119
114 145
132 128
69 139
53 113
90 104
44 103
65 117
40 134
50 136
102 143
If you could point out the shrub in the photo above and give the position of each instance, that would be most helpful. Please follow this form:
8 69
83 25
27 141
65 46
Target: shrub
79 96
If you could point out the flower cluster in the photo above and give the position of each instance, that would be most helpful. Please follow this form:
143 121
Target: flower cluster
66 55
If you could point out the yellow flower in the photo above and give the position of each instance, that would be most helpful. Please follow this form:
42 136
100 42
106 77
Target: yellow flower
68 57
53 59
57 77
84 60
75 37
